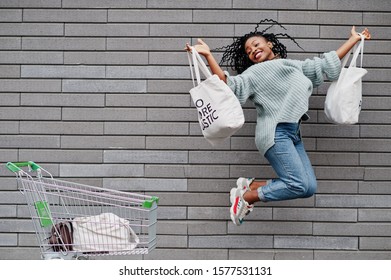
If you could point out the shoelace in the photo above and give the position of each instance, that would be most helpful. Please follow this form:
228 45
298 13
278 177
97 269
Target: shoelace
243 211
250 207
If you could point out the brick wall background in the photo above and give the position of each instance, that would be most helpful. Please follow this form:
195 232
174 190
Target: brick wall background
96 91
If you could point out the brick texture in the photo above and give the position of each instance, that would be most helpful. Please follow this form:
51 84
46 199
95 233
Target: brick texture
96 91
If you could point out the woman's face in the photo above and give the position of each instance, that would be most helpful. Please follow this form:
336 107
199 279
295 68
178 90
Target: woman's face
259 49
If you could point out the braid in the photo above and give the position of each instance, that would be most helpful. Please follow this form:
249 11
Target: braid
235 54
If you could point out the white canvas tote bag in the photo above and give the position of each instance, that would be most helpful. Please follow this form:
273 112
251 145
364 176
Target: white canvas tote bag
103 233
344 96
220 114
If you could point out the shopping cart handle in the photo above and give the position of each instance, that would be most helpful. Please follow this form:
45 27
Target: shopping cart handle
149 203
15 166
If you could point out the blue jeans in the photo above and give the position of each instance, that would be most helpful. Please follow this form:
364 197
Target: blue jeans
292 165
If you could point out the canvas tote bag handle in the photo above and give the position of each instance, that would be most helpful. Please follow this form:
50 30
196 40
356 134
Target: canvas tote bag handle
196 62
359 49
133 234
356 50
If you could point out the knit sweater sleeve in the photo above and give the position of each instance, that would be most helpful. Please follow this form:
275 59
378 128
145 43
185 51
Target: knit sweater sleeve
315 68
240 85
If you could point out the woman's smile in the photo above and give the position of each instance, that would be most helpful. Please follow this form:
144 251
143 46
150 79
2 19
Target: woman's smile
258 54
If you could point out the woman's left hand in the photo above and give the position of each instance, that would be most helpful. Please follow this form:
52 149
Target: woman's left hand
365 33
353 39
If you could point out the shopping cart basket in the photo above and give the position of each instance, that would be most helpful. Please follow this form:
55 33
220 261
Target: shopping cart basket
74 221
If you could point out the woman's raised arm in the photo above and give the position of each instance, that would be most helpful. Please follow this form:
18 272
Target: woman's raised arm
353 39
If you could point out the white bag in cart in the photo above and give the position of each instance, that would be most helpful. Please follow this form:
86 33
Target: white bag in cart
220 114
344 96
104 232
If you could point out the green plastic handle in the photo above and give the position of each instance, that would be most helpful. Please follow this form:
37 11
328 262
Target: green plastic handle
15 166
149 203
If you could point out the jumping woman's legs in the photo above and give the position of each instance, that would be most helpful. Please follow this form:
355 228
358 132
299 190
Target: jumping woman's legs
296 178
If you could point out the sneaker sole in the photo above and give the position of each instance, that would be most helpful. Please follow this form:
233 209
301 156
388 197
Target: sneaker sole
232 195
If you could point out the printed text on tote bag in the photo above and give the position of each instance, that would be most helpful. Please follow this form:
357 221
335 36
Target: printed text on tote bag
206 113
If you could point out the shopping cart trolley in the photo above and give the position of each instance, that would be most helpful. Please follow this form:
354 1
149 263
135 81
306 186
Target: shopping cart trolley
76 221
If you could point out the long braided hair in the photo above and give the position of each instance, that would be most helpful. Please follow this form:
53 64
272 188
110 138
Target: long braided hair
235 55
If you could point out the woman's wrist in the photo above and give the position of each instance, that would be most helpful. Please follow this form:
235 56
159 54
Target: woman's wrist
207 55
355 39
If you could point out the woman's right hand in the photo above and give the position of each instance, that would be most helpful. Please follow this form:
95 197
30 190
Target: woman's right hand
204 50
201 48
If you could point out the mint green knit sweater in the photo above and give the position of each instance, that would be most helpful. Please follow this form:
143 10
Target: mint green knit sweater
280 90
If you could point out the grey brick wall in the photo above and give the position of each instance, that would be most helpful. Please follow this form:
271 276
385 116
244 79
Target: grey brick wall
96 91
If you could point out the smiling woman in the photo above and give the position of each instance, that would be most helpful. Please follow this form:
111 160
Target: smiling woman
280 89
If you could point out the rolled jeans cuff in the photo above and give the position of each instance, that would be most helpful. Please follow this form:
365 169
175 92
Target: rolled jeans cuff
260 193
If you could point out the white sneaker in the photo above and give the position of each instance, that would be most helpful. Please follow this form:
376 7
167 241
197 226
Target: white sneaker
239 207
243 184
